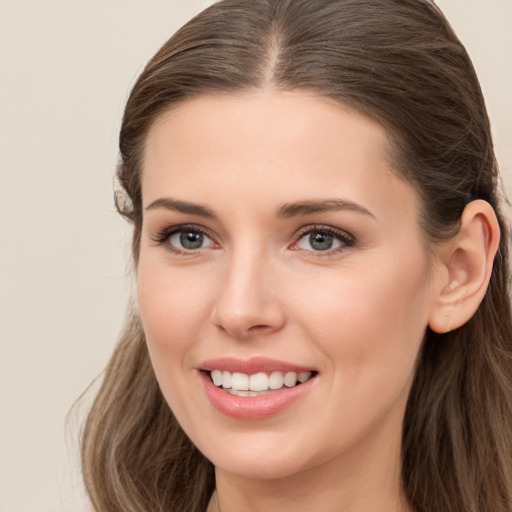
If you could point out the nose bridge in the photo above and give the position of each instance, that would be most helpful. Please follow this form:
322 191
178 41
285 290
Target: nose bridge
247 302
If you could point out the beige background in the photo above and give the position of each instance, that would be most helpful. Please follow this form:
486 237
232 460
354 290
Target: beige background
65 71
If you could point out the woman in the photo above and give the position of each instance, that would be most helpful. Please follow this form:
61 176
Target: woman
323 315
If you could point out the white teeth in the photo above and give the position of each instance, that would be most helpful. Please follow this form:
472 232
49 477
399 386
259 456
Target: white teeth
258 382
242 393
303 376
242 384
290 379
240 381
217 377
226 380
275 381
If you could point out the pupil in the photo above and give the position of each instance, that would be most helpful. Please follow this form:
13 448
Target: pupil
320 241
190 240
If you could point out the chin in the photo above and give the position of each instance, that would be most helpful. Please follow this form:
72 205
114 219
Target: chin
254 457
259 468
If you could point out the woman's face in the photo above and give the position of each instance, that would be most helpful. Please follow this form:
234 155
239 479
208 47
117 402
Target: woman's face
276 238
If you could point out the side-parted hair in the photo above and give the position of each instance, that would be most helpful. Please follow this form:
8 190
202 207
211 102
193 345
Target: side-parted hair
400 63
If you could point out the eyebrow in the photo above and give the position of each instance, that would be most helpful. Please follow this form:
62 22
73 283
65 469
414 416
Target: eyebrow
304 208
288 210
182 207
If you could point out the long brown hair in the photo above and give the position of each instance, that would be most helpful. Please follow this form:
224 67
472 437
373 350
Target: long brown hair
399 62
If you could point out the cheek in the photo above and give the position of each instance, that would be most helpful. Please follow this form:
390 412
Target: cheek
372 318
368 329
173 306
173 310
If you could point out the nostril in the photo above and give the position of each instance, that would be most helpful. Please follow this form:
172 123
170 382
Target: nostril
241 319
259 327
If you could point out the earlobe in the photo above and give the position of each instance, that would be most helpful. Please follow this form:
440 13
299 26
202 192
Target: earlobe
467 259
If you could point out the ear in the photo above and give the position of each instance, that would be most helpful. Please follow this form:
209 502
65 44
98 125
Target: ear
466 263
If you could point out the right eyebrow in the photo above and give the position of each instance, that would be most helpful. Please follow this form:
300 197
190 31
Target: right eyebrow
304 208
168 203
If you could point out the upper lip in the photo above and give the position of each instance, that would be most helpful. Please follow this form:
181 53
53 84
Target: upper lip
252 365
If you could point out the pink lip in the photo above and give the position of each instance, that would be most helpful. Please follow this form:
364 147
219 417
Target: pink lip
257 407
251 366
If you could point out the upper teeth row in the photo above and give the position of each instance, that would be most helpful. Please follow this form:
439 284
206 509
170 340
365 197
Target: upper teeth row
257 381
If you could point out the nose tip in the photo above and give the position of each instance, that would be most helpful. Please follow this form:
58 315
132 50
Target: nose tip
246 306
242 325
246 315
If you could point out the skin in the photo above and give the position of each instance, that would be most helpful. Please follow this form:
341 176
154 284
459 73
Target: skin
357 314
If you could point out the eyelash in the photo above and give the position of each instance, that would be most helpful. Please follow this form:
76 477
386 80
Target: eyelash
163 237
346 240
343 237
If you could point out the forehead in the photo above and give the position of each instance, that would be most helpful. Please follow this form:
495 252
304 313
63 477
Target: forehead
263 120
286 145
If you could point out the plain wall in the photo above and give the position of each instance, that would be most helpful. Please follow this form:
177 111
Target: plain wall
66 67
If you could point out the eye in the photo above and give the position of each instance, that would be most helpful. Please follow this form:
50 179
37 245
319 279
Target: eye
189 240
184 239
323 239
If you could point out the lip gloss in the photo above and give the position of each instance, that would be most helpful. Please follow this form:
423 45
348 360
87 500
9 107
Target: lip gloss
252 365
256 407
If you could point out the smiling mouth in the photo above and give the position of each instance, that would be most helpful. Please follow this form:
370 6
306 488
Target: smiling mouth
257 384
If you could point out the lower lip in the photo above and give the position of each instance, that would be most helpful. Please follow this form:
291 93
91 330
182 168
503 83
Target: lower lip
256 407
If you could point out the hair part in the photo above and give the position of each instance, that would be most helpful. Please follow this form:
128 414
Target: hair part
400 63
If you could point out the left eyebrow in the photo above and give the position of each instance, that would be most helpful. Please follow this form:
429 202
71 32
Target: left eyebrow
303 208
168 203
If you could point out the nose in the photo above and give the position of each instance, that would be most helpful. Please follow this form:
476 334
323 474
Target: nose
248 302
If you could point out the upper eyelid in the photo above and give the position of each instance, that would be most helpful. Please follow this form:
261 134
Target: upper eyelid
170 230
323 228
347 240
164 234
